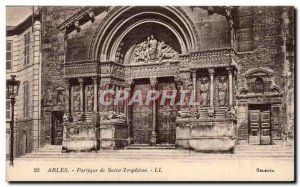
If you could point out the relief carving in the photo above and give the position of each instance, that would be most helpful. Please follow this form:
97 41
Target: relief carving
222 90
204 91
153 50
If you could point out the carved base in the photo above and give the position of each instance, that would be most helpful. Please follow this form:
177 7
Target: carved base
113 135
211 112
153 139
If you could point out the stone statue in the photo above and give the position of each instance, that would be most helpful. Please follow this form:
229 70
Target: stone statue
203 91
141 52
165 51
76 99
48 97
66 118
152 42
60 98
112 116
188 86
222 90
89 98
183 114
231 113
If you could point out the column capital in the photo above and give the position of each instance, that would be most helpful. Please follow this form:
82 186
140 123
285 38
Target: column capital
67 82
128 82
229 70
194 73
80 80
153 82
95 79
211 71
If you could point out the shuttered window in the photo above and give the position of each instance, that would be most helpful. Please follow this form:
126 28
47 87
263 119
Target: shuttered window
26 48
8 55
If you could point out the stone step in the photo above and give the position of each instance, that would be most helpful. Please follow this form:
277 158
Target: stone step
131 151
156 156
146 146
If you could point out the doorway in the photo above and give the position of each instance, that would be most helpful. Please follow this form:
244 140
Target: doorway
259 125
57 128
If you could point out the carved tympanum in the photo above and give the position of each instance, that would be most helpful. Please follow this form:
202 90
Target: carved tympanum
153 50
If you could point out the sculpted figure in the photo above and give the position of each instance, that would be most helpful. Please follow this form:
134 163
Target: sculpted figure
76 99
89 98
151 50
165 51
141 52
203 91
183 114
152 42
189 87
222 90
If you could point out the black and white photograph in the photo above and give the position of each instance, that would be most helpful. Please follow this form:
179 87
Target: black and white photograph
150 93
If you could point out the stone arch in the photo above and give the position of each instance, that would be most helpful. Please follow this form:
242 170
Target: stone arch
121 20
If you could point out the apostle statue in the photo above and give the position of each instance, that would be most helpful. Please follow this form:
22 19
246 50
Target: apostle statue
204 91
222 90
89 98
76 99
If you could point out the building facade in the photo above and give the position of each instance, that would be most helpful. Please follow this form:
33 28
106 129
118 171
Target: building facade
236 61
23 60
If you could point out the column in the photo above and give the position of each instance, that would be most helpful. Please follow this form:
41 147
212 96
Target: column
80 80
153 82
68 93
117 104
127 88
229 70
194 75
211 75
95 106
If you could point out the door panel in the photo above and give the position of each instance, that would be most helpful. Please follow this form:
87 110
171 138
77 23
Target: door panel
265 128
254 130
259 127
166 125
141 117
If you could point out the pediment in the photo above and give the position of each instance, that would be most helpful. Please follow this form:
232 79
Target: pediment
257 72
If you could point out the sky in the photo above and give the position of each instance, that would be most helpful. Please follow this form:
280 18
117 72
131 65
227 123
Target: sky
15 15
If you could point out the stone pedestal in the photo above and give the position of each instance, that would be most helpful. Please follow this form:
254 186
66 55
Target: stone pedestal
79 136
113 134
205 135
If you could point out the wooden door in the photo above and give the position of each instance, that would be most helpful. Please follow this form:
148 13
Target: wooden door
166 113
141 115
259 127
254 127
265 127
57 128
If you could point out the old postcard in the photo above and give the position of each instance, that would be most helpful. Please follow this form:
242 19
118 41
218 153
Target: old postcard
150 93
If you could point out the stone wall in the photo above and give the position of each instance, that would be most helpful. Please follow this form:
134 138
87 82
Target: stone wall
52 61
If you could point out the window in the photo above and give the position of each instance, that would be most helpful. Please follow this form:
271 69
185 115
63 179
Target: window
26 48
8 55
8 110
259 85
26 99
